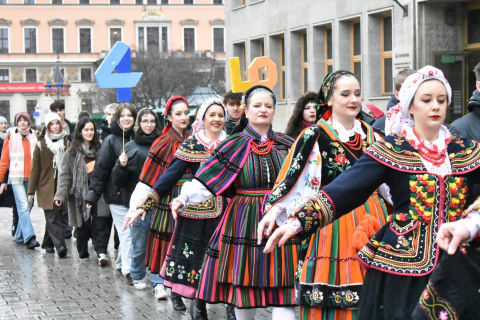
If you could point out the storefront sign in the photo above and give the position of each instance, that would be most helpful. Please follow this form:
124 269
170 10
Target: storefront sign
21 87
402 59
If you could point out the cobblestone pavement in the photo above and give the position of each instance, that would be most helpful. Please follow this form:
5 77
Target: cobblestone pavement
39 285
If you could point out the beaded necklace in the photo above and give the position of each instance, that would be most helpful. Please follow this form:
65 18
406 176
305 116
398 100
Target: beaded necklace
256 147
429 154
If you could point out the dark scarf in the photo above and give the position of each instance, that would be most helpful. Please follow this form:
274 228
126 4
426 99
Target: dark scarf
326 92
230 124
144 140
80 181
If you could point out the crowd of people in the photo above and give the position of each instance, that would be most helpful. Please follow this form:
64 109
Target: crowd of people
343 215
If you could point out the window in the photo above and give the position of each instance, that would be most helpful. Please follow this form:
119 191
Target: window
3 40
85 40
151 1
304 62
86 75
386 54
328 50
189 39
187 1
57 40
57 2
239 51
141 39
5 109
261 53
138 1
218 40
31 75
84 1
3 1
87 105
238 3
217 1
164 2
153 38
115 36
356 50
283 80
114 1
28 1
30 40
31 104
4 75
164 39
473 33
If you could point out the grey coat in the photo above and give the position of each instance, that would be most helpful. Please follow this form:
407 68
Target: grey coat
75 217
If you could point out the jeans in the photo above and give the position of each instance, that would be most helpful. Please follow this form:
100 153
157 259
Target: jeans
140 231
24 228
125 249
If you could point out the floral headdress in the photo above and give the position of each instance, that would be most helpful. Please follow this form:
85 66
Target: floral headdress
326 92
198 126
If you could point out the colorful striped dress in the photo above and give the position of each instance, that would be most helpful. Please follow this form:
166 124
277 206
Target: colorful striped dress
329 278
160 155
236 271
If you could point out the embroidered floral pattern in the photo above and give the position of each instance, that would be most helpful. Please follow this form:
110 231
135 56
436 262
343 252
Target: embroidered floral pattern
458 192
295 165
186 252
312 182
339 163
422 196
175 269
346 297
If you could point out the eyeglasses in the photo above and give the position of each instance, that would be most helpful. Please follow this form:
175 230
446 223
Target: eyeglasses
148 122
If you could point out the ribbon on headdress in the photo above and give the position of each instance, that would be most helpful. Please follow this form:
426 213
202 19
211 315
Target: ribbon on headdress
398 115
321 103
167 107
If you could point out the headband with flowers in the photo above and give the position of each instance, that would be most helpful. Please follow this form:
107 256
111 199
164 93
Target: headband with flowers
198 126
326 92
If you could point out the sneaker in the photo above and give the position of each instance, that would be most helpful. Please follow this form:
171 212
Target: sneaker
140 284
102 259
160 292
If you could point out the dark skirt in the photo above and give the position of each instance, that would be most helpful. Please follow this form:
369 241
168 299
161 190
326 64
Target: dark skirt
184 260
389 296
453 291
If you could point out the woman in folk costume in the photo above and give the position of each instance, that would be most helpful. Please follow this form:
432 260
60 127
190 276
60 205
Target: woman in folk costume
47 161
429 173
158 227
195 225
303 116
245 166
320 155
17 156
73 181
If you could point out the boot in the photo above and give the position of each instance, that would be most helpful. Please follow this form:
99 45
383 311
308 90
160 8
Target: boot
231 312
32 243
200 310
177 302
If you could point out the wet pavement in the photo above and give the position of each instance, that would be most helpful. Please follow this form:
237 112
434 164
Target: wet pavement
39 285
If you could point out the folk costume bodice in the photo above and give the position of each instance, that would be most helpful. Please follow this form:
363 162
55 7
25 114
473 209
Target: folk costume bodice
422 201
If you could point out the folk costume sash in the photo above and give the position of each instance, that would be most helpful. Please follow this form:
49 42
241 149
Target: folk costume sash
227 160
160 155
17 155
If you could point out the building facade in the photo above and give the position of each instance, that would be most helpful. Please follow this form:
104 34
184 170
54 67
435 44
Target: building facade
35 34
375 39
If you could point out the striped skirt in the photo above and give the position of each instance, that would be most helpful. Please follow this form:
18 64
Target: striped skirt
236 271
329 279
160 234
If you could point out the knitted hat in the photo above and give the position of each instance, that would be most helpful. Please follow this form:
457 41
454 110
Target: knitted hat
3 119
50 117
22 114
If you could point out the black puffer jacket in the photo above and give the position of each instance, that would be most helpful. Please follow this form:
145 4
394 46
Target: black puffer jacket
126 178
468 126
105 130
101 182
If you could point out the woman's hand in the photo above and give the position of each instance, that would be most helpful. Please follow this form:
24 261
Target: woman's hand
265 227
131 218
89 206
451 235
30 197
58 203
176 205
3 187
123 159
280 236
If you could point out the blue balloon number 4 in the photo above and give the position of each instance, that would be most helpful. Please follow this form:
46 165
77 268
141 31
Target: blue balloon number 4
124 80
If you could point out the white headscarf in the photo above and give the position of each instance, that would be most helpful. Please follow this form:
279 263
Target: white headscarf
198 126
399 115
